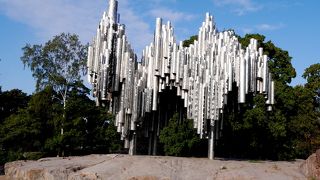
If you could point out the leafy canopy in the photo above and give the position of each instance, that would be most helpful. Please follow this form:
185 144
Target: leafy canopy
188 42
312 75
58 63
11 101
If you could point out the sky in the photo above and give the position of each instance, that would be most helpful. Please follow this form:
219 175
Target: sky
292 25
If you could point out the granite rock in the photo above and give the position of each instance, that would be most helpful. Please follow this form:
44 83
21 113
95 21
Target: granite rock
114 166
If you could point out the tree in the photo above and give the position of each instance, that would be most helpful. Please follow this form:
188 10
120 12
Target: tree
305 124
30 126
249 130
11 101
111 135
22 128
179 139
87 128
312 75
46 110
59 64
188 42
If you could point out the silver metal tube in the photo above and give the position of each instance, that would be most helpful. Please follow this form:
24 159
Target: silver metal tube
202 74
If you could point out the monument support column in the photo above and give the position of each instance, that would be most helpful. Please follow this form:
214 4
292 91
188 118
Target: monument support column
133 144
211 142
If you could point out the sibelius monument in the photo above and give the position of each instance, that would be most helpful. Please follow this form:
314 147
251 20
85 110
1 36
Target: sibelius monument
194 81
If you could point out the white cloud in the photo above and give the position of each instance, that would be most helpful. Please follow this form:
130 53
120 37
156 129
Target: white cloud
162 1
262 27
173 16
247 30
49 18
138 31
269 27
239 6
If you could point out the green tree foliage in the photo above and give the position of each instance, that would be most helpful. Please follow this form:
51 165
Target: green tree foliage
188 42
179 139
312 75
20 127
111 135
88 129
305 124
59 117
11 101
59 63
85 127
29 126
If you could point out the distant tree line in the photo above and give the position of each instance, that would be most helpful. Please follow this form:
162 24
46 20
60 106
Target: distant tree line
59 118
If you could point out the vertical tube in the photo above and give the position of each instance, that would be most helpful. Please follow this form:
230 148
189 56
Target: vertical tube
132 147
158 44
155 93
242 87
211 141
230 77
272 92
112 12
265 73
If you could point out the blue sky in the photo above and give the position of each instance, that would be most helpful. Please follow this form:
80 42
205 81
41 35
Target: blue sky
292 25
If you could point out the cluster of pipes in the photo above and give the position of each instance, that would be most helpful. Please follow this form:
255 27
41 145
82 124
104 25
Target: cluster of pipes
202 75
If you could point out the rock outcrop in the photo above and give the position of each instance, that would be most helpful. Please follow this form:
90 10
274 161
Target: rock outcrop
311 167
119 167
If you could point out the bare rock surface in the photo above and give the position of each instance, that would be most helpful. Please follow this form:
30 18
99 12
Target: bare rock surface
311 167
126 167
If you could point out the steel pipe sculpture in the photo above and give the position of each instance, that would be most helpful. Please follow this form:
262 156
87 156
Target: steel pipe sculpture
201 75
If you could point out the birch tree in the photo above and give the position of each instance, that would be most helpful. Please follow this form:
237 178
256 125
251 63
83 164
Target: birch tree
59 63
